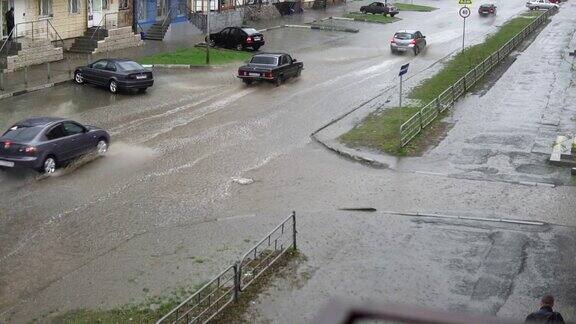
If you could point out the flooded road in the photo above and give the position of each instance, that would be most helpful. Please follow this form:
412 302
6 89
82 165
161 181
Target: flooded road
125 227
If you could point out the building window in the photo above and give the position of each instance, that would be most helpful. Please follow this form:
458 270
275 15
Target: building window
73 6
45 7
123 4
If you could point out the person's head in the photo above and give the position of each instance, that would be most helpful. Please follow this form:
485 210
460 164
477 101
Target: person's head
547 300
11 8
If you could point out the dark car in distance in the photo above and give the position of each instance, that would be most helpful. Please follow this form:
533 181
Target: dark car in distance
487 9
237 37
116 75
379 8
44 143
271 67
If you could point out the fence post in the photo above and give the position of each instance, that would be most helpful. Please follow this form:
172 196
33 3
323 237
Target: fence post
438 104
294 230
48 71
237 278
2 80
453 94
26 76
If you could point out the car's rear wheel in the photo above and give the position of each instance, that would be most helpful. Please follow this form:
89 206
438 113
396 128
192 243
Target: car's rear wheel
113 86
239 47
278 80
247 81
78 78
255 48
416 50
392 15
142 90
101 147
49 165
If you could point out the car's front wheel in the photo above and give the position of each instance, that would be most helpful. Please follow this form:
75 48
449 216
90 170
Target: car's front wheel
101 147
49 165
255 48
113 86
78 78
239 47
392 15
142 90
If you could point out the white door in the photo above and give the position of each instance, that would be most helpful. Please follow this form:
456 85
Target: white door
97 13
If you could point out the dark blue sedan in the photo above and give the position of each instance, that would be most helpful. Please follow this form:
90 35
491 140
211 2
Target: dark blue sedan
44 143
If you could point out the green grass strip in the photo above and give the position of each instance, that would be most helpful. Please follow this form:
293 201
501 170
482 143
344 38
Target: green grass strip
413 7
381 130
380 19
196 56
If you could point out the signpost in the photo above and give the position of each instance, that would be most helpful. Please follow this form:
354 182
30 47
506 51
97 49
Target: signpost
403 70
464 13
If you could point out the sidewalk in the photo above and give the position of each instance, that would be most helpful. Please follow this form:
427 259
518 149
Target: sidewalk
179 35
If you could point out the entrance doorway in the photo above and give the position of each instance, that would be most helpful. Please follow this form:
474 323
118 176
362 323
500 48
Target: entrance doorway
5 5
162 9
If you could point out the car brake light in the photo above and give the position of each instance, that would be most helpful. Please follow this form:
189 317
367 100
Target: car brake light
240 72
413 42
249 39
268 75
30 150
7 144
392 41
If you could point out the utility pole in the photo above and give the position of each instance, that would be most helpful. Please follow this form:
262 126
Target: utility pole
208 33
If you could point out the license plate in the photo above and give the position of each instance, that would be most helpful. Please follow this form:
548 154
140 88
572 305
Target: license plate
257 38
401 49
140 77
254 74
6 163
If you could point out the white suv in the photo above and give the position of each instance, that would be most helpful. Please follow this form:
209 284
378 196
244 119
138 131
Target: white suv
540 4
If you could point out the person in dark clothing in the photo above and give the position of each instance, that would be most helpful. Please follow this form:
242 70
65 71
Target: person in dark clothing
10 21
545 314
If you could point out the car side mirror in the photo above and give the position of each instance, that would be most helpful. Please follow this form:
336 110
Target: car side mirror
294 60
423 36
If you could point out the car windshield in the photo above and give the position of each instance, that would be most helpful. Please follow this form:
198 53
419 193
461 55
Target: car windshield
20 133
485 6
403 36
268 60
129 66
250 31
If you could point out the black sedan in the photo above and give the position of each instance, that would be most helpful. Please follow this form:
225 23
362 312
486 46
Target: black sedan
237 37
274 68
44 143
115 74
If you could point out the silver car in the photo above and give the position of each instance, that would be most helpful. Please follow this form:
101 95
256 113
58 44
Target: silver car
408 40
540 4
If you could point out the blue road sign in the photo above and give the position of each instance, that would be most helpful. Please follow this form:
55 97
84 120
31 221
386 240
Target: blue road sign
404 69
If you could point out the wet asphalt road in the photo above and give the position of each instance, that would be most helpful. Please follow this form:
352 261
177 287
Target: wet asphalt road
128 226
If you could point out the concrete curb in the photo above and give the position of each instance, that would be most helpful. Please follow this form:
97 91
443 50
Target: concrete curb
182 66
32 89
472 218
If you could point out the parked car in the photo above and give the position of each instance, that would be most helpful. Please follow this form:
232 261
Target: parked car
115 74
408 40
45 143
487 9
379 8
540 4
274 68
237 37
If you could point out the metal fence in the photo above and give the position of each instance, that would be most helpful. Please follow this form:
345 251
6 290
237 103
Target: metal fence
446 99
225 288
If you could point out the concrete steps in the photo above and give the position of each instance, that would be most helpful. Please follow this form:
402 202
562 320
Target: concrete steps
157 31
89 42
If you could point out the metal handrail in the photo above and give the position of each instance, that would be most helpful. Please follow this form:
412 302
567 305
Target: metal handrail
168 16
100 23
57 34
9 38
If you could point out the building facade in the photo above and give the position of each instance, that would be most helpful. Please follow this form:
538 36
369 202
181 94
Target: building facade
148 12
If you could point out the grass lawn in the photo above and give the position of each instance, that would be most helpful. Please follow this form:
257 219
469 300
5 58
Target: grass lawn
413 7
381 130
380 19
196 56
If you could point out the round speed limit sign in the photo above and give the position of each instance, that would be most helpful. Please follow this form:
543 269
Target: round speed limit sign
464 12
